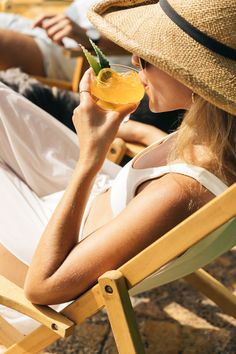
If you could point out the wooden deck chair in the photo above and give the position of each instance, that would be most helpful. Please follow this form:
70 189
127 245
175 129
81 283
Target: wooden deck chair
72 85
181 252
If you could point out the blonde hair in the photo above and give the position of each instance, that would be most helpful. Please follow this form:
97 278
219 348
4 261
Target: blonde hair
208 126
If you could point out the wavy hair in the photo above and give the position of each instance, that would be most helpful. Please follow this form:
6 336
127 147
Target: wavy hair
214 129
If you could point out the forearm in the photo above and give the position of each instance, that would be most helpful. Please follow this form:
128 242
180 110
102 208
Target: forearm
141 133
61 233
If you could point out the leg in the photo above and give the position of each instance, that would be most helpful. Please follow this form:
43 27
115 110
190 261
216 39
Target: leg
38 148
23 218
20 50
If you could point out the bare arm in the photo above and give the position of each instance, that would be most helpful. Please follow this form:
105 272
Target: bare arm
61 26
96 129
137 132
77 266
61 268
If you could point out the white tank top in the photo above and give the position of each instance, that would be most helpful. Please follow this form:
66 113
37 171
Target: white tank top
129 178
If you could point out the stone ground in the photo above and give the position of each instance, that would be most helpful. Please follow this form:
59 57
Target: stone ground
173 319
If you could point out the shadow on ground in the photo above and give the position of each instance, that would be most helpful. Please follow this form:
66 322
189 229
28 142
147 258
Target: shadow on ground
173 319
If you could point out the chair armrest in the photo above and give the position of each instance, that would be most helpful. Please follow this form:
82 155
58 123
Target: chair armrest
117 150
62 84
133 149
13 297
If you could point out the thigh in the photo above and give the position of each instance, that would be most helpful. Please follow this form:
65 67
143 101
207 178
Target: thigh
38 148
23 218
56 64
20 50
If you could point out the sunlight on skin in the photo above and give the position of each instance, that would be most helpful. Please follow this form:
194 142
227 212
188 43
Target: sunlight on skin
164 92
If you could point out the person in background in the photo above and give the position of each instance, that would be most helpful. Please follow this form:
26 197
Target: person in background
44 41
37 47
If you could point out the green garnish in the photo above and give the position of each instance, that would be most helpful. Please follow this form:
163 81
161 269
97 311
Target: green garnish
103 61
97 63
91 60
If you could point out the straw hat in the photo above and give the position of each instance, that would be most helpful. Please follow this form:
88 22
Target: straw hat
192 40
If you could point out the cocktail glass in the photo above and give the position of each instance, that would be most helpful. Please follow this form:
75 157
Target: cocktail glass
117 86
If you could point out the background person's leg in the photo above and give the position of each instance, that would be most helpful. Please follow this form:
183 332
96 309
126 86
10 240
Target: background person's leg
20 50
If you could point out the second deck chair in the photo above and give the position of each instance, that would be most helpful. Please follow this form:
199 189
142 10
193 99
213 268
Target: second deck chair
181 252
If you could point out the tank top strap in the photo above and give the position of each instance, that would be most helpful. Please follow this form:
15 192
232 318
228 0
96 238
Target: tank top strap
124 186
200 174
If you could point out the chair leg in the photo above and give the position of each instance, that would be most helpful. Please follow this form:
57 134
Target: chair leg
8 334
80 68
121 313
213 289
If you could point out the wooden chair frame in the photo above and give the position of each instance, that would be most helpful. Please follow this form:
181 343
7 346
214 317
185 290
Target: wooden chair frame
111 291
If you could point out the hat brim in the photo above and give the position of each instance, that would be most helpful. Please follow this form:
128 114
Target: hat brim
144 29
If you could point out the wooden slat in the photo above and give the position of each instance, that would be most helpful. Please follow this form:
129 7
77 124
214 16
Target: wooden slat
80 68
117 151
62 84
179 239
133 149
13 296
120 312
8 334
213 289
33 8
86 306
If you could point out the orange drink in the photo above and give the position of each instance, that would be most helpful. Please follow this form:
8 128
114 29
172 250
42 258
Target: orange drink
117 86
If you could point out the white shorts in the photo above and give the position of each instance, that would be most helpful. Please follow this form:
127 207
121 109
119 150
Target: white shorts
56 64
37 157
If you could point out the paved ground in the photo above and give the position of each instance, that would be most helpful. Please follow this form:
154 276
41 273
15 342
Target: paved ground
174 319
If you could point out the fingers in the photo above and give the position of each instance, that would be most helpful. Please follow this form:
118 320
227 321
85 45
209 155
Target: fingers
59 30
50 22
41 19
61 33
56 26
85 82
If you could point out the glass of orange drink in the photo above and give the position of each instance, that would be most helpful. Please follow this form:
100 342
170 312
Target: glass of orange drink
117 86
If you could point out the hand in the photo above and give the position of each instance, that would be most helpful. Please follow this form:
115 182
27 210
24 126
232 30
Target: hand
60 26
96 127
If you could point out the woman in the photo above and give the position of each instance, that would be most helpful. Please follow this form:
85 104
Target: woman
168 181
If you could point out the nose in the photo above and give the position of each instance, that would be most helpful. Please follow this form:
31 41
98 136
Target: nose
135 61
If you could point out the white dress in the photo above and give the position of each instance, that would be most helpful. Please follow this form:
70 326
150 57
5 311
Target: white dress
37 158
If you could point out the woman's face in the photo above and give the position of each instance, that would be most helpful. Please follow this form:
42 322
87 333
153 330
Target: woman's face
164 92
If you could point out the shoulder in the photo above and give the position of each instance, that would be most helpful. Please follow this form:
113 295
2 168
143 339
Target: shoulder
175 194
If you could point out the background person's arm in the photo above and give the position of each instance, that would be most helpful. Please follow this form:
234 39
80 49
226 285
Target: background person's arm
73 23
137 132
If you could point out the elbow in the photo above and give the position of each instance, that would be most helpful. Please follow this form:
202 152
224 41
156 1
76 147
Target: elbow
46 292
37 293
